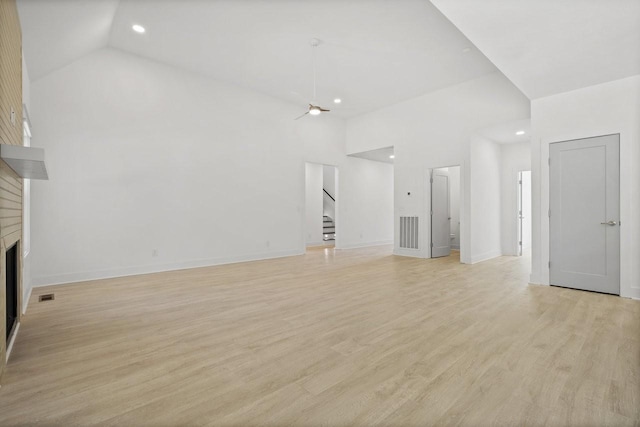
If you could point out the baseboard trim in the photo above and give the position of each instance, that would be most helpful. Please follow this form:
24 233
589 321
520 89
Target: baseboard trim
25 303
86 276
485 256
411 253
632 293
366 245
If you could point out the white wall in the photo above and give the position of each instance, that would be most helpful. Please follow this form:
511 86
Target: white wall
26 196
26 85
486 160
608 108
145 157
329 179
515 158
313 204
454 205
329 184
371 220
432 131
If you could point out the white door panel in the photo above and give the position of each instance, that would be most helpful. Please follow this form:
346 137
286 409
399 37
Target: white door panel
440 215
584 196
524 211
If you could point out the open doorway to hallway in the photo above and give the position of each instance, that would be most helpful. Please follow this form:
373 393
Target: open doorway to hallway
321 195
445 211
329 204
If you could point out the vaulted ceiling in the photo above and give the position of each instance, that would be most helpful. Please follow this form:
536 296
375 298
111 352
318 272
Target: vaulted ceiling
56 33
550 46
373 53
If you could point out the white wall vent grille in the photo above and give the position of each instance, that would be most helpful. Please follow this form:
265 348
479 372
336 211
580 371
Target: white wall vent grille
409 232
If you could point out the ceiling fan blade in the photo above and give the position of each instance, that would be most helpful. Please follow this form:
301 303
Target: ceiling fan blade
299 117
322 109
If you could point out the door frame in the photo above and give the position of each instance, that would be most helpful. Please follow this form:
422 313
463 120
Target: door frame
431 175
572 125
303 210
519 210
461 205
548 216
519 204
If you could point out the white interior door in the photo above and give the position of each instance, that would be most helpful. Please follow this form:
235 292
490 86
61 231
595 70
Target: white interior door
524 211
584 214
440 214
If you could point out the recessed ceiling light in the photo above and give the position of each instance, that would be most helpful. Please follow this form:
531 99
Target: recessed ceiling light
337 100
138 28
520 132
392 156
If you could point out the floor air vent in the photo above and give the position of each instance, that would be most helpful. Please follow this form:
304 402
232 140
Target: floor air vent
47 297
409 232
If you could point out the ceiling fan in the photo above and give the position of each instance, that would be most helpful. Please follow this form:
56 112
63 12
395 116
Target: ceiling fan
314 109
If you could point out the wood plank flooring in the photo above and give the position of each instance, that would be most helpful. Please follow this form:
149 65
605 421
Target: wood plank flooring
333 338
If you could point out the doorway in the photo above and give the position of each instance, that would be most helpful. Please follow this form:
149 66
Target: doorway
524 212
584 214
445 211
321 197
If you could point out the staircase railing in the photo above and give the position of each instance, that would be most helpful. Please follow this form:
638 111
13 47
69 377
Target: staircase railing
327 193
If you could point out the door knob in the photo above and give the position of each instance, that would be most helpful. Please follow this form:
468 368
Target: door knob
612 223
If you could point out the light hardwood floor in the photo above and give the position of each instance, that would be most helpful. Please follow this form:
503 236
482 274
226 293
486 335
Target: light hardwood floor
356 337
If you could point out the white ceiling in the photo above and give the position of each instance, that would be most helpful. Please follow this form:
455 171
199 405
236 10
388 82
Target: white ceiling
550 46
505 133
379 155
56 33
374 52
